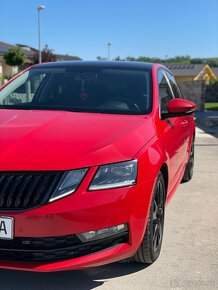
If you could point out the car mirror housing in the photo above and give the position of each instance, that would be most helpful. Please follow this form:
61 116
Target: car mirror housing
179 107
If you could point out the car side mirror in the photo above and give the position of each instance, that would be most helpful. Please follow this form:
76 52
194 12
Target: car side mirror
179 107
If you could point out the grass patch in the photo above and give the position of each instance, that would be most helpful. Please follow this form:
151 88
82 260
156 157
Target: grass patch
211 106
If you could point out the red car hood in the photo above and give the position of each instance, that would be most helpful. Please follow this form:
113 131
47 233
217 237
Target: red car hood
55 140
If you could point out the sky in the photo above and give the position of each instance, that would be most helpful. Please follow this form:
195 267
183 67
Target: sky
154 28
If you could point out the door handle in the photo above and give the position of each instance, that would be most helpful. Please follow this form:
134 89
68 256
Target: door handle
184 123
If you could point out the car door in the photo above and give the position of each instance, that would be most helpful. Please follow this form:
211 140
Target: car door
185 121
171 131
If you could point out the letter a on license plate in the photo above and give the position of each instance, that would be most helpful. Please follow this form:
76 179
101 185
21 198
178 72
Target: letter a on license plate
6 228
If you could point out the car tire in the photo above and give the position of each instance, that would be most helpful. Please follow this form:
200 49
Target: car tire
190 165
150 247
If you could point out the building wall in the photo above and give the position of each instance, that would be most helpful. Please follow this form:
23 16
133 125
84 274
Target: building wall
194 91
1 64
1 69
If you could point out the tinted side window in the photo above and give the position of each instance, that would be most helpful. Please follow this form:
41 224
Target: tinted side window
165 94
23 93
175 88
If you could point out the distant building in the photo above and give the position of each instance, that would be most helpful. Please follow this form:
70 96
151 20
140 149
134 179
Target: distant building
29 52
192 72
215 71
66 57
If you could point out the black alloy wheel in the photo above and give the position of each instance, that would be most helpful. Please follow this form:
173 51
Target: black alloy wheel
150 247
158 217
189 169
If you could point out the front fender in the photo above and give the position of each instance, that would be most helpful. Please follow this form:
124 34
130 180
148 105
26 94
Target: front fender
151 158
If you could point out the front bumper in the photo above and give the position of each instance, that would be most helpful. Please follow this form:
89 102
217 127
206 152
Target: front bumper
81 212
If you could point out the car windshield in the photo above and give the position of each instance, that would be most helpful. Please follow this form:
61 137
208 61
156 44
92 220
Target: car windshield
80 89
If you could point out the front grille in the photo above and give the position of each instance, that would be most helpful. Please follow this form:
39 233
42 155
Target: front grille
54 248
24 190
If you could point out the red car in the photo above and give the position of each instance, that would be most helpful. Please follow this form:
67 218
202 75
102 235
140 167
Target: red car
90 154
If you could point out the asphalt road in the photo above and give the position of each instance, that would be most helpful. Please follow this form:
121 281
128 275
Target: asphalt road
189 257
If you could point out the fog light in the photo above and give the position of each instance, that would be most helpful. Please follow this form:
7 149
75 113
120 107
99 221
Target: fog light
102 233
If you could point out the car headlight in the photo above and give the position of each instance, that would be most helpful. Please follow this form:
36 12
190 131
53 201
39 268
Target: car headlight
115 175
69 183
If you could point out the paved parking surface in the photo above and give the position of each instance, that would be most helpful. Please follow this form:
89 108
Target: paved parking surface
189 258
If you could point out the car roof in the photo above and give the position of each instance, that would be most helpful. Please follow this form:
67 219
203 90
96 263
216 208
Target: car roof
99 63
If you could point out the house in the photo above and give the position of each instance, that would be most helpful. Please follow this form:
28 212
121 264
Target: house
193 80
29 51
215 71
66 57
192 72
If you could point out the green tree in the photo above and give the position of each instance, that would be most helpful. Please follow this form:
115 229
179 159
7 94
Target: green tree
130 58
15 57
197 61
183 59
118 58
212 62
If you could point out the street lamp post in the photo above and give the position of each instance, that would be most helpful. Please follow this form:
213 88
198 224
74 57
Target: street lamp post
109 50
39 36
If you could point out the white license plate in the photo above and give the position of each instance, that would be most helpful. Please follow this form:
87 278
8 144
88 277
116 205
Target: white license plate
6 228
